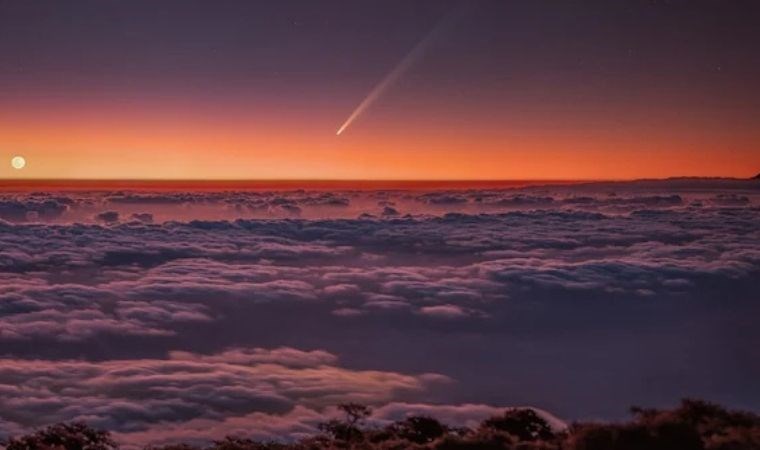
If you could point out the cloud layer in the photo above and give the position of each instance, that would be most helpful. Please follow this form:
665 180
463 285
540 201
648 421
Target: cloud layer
170 314
132 396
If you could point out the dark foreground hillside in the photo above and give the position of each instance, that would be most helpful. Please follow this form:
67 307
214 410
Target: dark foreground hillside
693 425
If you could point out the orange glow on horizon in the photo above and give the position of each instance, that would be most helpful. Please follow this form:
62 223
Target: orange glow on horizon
171 144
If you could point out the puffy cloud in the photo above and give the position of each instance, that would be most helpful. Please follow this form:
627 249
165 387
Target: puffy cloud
143 217
442 198
30 209
107 217
544 295
76 281
463 415
389 211
731 199
284 356
285 385
76 312
444 311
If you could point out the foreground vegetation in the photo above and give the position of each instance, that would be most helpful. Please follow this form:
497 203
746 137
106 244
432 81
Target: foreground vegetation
694 425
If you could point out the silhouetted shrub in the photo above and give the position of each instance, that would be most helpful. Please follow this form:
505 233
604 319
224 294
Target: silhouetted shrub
524 424
419 429
64 436
693 425
716 427
173 447
665 436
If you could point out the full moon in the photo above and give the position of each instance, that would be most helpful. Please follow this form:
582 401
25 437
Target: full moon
18 162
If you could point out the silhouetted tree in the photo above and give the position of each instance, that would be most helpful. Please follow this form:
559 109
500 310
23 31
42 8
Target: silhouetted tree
482 439
173 447
339 430
419 429
663 436
524 424
64 436
236 443
347 431
693 425
716 427
355 413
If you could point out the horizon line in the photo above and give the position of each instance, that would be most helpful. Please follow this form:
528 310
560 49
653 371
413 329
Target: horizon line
96 184
361 180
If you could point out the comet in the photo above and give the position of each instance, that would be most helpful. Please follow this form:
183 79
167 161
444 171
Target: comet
398 71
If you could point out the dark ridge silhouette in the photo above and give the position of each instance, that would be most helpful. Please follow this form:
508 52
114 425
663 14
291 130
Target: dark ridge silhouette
756 177
693 425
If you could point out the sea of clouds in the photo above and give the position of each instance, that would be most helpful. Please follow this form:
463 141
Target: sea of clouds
174 315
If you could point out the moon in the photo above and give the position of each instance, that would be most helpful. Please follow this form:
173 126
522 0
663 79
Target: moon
18 162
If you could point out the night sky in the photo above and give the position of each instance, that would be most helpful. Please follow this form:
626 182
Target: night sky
500 89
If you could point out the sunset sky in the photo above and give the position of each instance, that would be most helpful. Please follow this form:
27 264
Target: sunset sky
257 90
229 217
